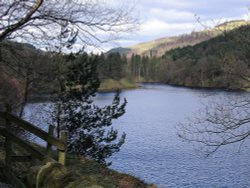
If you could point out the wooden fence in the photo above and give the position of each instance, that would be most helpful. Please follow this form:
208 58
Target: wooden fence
34 153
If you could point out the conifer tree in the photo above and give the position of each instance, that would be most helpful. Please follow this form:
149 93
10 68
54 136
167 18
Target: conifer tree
90 127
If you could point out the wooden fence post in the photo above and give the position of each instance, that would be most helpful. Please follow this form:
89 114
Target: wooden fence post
62 153
49 146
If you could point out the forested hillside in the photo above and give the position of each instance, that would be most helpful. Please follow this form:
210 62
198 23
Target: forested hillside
158 47
221 62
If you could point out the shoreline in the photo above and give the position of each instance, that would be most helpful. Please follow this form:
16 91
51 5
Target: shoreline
86 171
111 85
48 97
200 87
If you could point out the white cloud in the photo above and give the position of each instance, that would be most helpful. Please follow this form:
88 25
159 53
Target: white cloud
246 16
126 42
172 15
162 18
170 4
157 28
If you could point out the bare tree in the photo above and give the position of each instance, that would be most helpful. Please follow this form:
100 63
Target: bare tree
45 23
223 121
58 25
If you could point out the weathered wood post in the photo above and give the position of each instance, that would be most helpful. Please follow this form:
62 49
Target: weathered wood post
49 146
62 153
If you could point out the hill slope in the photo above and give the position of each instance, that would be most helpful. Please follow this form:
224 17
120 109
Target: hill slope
222 61
159 46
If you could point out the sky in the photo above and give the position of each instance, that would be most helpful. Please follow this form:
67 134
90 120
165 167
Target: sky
163 18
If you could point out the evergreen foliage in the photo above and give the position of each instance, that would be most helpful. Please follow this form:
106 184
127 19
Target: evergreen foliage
89 126
111 67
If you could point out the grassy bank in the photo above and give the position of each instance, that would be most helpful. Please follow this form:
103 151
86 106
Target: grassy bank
80 171
113 85
103 176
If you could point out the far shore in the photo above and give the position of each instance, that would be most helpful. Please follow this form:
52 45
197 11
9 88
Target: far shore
119 87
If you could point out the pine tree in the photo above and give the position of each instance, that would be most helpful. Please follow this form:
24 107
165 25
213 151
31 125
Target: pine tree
90 127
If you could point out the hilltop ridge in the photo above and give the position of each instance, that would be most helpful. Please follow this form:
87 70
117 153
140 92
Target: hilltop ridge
159 46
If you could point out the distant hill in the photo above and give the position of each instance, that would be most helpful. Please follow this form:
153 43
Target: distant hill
159 46
220 62
120 50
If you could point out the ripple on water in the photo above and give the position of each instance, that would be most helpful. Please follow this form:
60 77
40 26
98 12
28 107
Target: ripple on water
153 151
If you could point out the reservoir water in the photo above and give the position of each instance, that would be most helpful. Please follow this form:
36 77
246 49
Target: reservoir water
154 153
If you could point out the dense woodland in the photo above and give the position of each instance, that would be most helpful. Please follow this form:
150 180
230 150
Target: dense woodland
220 62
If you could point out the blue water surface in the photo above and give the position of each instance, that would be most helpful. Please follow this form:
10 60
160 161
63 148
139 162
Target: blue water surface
153 151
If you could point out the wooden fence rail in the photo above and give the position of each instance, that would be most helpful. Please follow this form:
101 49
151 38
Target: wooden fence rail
60 144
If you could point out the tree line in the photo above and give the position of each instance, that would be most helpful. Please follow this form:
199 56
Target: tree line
220 62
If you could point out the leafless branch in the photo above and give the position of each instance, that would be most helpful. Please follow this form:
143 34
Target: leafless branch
42 22
222 122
